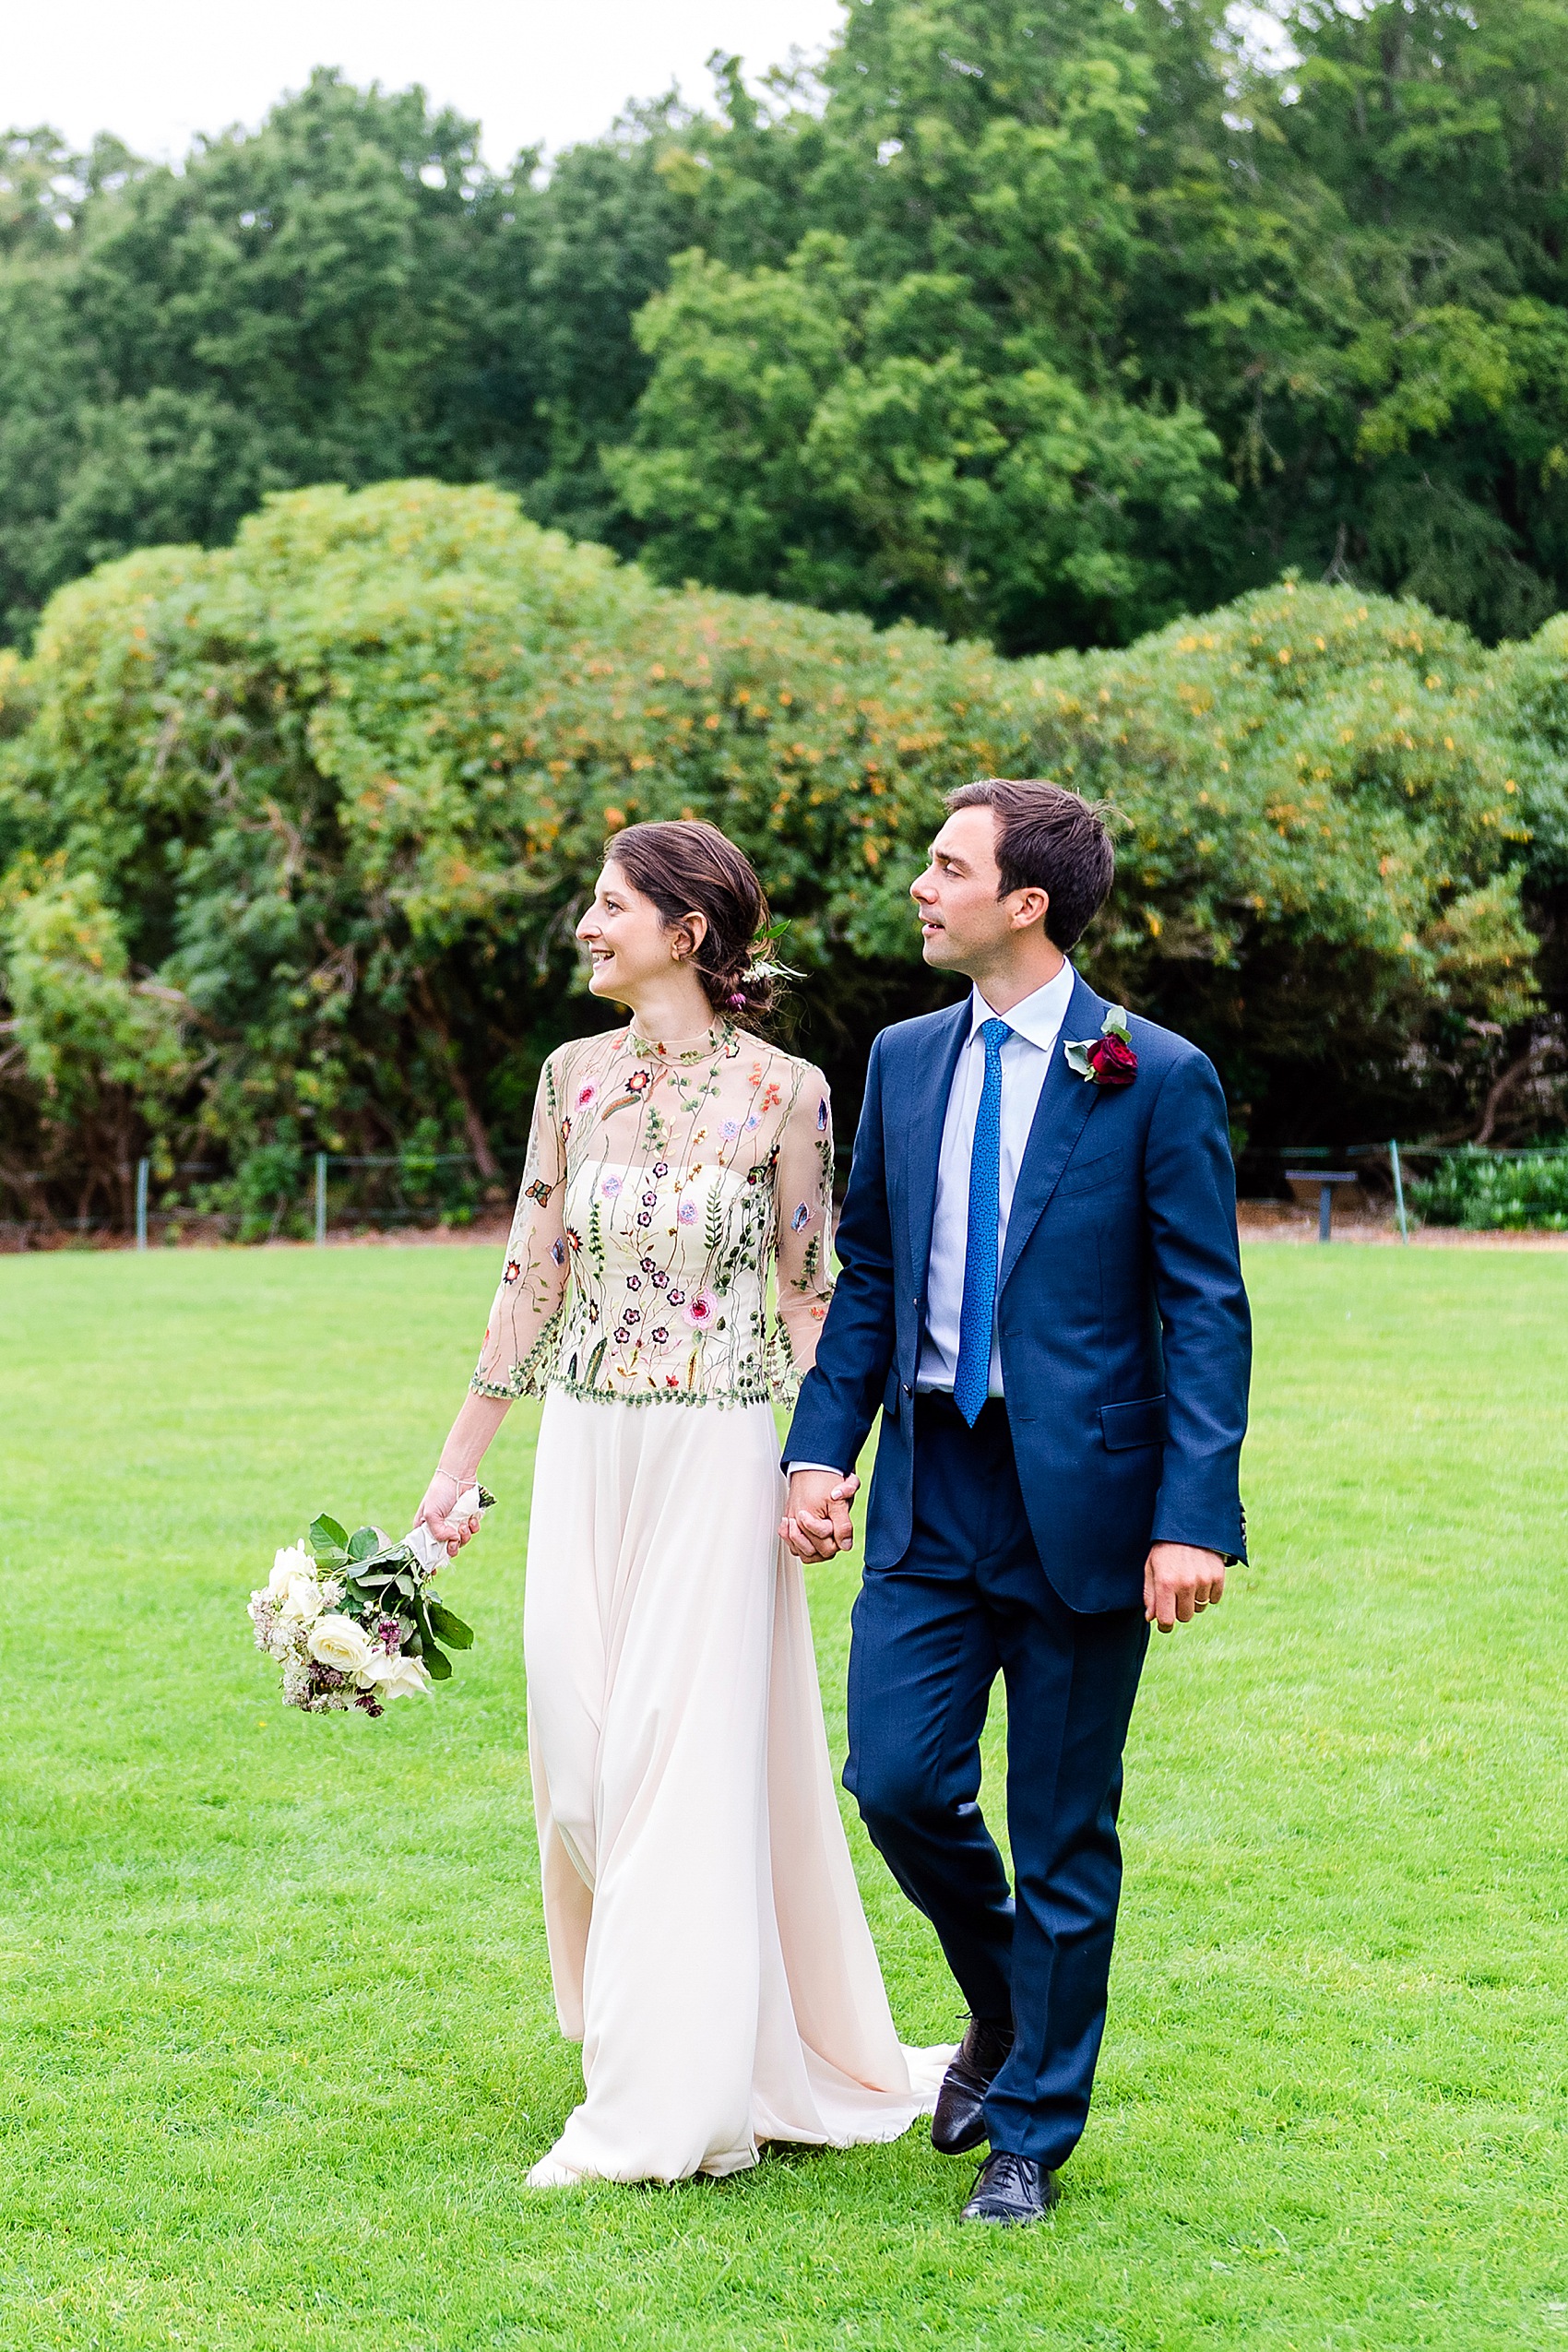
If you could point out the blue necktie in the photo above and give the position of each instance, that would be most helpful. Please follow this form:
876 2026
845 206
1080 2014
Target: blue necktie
972 1381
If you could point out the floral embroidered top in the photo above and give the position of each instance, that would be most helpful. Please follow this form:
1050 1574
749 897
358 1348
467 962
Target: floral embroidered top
663 1182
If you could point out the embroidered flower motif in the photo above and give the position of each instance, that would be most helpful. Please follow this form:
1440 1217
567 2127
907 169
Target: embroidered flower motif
574 1239
639 1081
538 1191
729 1130
1107 1060
610 1187
650 1200
661 1168
646 1264
659 1336
645 1216
686 1214
621 1334
558 1251
701 1310
633 1282
658 1277
677 1298
822 1116
631 1315
801 1220
513 1274
565 1131
585 1096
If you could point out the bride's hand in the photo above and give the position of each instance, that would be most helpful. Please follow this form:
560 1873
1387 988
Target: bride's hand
435 1512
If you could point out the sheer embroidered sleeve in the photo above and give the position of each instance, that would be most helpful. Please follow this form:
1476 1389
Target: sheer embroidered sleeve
805 1198
520 1336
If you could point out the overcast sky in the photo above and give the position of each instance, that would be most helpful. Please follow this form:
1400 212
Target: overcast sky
158 71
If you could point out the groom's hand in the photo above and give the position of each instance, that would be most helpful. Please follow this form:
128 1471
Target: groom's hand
815 1524
1179 1581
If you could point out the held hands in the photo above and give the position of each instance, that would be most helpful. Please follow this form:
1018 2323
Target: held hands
815 1524
1179 1581
435 1512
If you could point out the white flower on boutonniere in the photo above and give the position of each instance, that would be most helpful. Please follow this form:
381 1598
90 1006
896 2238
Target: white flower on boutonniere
1107 1060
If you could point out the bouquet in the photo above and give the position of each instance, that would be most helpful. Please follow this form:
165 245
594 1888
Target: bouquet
351 1619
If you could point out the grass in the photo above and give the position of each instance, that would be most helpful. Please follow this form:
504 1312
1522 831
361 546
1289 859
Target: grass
278 2036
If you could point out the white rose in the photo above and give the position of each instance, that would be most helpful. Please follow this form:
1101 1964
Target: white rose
406 1677
293 1560
396 1677
302 1600
338 1641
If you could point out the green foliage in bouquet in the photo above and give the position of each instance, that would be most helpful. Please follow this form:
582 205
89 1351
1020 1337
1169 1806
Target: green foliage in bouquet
383 1580
318 812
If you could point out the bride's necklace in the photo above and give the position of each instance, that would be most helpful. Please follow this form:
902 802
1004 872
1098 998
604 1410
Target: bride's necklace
703 1049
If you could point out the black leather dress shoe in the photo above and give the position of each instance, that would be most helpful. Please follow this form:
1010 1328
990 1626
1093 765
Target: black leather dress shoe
959 2125
1012 2190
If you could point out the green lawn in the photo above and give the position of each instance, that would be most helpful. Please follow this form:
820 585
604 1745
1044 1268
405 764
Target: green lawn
278 2034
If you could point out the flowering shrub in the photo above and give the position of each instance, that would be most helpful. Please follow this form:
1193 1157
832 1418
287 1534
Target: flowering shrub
339 791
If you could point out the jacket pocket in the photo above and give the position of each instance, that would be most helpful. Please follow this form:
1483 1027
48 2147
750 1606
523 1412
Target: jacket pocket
1094 1175
1142 1422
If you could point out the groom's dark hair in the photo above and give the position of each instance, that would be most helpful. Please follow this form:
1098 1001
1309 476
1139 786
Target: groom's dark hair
1050 840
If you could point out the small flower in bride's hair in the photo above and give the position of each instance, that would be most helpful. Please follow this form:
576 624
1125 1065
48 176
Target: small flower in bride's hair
738 1000
701 1310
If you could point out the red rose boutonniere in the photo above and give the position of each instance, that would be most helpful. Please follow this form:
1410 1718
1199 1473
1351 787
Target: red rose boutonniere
1107 1060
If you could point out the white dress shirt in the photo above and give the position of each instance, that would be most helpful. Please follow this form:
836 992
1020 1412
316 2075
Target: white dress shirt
1036 1024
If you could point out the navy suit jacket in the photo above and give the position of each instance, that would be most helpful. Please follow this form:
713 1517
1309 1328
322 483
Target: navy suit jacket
1125 1337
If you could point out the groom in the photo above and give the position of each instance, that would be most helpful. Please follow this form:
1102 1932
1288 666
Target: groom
1040 1288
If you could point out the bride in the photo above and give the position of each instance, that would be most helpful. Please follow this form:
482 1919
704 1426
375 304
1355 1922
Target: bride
707 1940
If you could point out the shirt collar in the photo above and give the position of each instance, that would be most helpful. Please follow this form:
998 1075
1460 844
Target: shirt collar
1037 1018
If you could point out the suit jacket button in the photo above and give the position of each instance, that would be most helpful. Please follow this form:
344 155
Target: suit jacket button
908 1390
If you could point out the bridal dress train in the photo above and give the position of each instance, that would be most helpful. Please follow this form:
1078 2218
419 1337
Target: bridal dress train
707 1940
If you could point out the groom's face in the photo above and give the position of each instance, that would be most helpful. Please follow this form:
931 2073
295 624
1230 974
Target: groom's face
964 925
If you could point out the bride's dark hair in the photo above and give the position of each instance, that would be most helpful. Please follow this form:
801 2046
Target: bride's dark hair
687 866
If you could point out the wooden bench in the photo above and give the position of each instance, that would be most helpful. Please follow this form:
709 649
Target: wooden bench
1326 1179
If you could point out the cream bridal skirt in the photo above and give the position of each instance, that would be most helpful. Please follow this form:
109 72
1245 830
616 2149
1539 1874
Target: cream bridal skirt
707 1940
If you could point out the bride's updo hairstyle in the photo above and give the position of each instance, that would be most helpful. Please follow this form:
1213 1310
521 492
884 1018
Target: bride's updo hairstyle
687 866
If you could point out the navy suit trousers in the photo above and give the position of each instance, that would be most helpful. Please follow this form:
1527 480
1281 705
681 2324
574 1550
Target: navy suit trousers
968 1599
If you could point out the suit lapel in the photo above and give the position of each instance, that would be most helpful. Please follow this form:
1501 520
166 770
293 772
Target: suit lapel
1065 1102
923 1114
